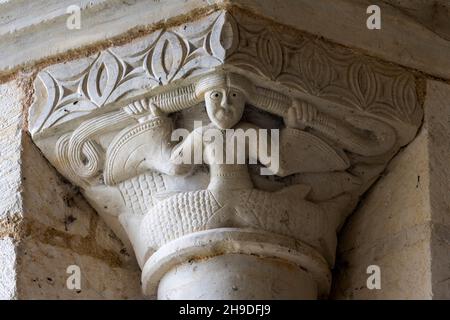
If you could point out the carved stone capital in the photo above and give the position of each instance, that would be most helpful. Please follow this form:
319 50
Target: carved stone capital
107 123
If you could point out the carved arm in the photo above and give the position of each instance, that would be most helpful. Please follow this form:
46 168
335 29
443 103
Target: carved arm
351 134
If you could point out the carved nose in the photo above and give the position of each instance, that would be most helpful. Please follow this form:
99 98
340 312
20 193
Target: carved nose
224 103
227 107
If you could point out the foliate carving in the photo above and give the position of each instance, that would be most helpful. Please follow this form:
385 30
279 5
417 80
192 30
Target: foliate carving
323 70
110 76
108 124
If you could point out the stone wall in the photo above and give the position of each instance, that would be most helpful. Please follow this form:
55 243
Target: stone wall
46 225
11 205
402 224
390 229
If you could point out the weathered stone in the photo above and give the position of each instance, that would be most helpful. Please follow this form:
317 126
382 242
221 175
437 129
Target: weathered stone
437 125
103 115
340 117
46 225
8 284
432 14
58 206
402 224
414 34
101 20
11 119
42 274
404 262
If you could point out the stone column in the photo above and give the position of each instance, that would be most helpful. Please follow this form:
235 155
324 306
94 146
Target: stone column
232 263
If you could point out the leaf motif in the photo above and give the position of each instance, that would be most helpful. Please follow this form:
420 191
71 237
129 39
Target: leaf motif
139 81
70 111
168 57
315 68
103 78
247 62
224 37
53 93
271 54
405 96
363 84
197 64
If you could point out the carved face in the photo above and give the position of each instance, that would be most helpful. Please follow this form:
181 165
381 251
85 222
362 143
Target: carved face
224 106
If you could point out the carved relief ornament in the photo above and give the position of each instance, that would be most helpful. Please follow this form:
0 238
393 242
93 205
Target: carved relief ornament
106 123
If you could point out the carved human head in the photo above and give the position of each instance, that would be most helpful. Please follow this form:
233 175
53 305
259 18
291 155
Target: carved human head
225 95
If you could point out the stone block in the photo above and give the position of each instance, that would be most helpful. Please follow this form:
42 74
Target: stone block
403 223
7 269
11 118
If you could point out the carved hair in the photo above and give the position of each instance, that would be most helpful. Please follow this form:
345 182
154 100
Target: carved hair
218 80
177 99
271 101
188 96
83 155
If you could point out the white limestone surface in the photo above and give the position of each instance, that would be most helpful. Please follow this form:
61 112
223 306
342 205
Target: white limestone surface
7 269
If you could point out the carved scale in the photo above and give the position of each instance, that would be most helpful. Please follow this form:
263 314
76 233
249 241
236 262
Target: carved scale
221 231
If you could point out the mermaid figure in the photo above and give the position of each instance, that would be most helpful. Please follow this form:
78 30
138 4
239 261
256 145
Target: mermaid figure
230 198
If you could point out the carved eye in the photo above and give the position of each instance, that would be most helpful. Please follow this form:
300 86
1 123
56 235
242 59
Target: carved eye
216 95
234 94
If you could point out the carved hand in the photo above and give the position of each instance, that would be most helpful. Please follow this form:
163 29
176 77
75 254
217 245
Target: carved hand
143 110
300 115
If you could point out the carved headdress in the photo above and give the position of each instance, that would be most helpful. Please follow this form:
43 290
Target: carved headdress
223 79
